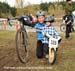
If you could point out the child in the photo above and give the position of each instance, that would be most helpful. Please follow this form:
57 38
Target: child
40 23
48 29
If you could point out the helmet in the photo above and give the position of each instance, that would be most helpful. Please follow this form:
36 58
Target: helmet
49 19
40 13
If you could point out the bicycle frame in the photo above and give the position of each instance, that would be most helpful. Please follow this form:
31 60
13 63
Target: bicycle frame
22 25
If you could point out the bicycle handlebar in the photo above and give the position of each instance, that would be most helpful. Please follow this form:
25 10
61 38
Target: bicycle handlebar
24 19
8 20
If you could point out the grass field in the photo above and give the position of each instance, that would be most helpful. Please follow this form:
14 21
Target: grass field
65 56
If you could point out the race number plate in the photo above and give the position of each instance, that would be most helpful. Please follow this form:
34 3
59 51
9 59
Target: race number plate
53 42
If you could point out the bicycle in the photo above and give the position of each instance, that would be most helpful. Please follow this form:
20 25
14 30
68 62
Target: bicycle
21 38
53 46
63 25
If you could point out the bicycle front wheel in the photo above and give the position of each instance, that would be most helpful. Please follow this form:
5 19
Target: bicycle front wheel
21 43
52 56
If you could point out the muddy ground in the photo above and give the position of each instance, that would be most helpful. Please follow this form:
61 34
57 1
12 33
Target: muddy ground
9 61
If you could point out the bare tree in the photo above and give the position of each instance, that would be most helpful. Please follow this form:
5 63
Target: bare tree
19 3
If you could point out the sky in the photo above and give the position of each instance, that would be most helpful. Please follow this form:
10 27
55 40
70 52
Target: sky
12 2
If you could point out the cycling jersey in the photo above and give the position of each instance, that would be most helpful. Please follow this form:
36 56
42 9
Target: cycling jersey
39 31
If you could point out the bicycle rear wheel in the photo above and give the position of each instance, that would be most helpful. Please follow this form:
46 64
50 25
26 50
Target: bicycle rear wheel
21 43
63 28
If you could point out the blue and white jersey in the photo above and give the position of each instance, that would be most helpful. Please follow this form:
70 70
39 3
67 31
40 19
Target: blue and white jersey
48 30
39 31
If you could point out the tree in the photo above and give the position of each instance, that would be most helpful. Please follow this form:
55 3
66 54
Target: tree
44 6
6 10
51 8
68 8
13 11
20 3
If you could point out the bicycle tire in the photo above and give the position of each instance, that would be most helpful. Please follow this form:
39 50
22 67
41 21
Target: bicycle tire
63 28
22 49
52 52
